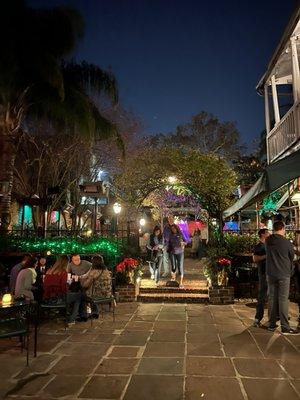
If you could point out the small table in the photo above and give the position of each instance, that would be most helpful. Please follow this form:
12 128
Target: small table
29 307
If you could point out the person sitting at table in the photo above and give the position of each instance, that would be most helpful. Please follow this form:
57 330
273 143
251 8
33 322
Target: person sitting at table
14 273
55 280
56 289
40 271
97 282
77 266
26 278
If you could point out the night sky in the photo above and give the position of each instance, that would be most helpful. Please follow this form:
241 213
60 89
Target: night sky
175 58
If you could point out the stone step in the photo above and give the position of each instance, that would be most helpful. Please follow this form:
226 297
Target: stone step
173 298
170 290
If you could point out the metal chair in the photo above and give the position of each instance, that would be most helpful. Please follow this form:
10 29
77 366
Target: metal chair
16 327
55 303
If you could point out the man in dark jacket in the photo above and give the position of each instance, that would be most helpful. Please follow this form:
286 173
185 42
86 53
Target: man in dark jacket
259 257
279 268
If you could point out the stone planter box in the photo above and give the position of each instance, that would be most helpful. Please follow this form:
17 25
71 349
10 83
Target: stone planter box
127 293
221 295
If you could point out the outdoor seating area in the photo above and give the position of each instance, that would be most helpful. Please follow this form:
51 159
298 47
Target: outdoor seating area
155 351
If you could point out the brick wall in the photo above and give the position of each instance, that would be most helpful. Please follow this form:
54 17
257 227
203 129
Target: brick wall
127 293
221 295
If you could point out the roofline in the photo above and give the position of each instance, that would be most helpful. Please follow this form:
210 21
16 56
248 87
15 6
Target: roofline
285 37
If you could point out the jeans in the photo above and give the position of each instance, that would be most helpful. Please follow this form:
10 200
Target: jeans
166 258
278 291
77 299
177 262
155 268
262 296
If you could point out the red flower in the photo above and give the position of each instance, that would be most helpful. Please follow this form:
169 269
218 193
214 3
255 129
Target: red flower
127 264
224 262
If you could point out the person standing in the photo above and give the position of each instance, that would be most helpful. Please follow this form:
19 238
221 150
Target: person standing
176 248
166 253
259 257
279 269
297 269
196 243
156 245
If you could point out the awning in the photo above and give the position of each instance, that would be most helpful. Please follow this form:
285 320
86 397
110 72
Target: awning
275 176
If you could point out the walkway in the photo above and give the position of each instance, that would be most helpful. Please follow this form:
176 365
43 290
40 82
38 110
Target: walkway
159 351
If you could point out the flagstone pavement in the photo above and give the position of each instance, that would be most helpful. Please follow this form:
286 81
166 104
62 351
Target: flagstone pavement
158 351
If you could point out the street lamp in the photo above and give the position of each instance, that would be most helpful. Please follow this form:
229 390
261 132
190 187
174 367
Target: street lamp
117 209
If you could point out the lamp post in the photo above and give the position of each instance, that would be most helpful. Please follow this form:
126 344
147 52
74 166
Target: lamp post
117 209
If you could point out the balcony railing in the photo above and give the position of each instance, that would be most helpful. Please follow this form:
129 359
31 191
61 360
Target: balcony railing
284 134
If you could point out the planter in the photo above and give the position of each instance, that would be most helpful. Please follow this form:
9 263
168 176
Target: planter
221 295
127 293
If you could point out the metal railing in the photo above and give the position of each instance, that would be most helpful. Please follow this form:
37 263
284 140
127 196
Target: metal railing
284 134
121 234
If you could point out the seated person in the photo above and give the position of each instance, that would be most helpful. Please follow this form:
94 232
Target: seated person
77 266
56 288
98 282
14 273
26 278
55 280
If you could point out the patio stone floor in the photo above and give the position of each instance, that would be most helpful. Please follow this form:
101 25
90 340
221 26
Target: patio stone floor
155 352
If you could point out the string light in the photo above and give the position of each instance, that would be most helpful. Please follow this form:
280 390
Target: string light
65 245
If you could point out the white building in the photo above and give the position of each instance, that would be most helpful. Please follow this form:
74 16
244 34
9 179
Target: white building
280 82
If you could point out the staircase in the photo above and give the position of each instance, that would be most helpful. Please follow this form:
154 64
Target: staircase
163 294
195 287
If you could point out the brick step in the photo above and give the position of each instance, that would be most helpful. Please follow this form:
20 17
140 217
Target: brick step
171 290
173 298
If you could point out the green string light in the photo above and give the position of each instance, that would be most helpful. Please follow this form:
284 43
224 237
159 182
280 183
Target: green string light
66 245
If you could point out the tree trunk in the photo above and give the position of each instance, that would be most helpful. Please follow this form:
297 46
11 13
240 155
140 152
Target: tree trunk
7 162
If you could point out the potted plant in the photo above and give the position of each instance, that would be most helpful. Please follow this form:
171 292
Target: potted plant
217 266
128 271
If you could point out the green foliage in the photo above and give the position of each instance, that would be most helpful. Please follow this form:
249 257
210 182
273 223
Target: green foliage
207 176
240 244
111 250
211 266
226 247
248 169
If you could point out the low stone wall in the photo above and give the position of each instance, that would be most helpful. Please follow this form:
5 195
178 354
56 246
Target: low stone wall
221 295
127 293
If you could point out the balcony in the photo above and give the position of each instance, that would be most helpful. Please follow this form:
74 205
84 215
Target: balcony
285 134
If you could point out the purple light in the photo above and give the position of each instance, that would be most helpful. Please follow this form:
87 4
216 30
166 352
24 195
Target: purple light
185 231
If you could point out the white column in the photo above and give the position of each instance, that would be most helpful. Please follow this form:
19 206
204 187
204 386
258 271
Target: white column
275 100
267 118
296 73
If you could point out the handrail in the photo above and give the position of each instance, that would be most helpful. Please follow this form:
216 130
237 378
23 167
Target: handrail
285 133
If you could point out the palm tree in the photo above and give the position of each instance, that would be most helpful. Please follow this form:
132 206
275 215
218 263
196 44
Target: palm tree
36 84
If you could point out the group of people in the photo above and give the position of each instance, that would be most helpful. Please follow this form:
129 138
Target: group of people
72 281
166 248
278 260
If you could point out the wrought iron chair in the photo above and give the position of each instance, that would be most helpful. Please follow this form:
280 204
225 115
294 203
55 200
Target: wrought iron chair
16 327
55 303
